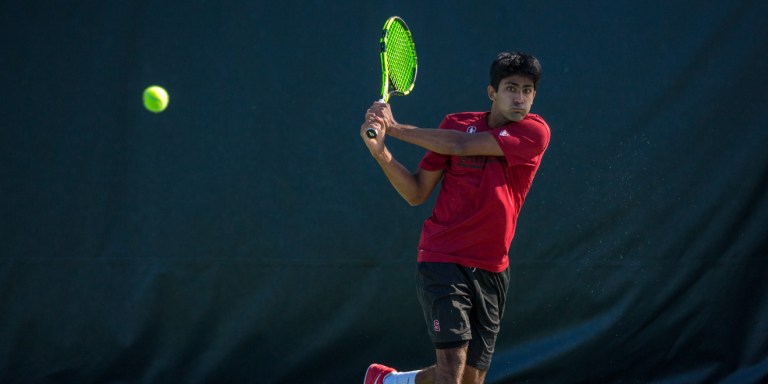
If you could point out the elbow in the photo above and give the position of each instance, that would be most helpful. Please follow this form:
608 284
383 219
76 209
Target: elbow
415 200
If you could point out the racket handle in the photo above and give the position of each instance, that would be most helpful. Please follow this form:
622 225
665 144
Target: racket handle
370 132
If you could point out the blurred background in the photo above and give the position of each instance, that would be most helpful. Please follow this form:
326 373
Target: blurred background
246 235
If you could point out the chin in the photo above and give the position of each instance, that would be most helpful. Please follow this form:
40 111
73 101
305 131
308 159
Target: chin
516 117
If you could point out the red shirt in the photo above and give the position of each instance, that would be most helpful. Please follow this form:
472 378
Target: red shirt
474 217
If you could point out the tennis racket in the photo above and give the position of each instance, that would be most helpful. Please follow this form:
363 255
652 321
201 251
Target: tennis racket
398 62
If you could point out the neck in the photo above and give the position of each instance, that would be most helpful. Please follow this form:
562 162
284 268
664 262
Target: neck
496 120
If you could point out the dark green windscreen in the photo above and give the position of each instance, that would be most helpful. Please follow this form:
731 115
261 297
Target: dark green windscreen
246 235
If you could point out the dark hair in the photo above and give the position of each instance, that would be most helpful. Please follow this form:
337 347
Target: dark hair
515 63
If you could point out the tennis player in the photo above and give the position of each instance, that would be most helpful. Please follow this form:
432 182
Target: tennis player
487 162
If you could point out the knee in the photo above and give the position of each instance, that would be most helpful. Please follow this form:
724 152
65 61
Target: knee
456 356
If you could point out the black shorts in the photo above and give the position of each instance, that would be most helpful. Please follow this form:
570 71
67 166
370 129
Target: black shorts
463 305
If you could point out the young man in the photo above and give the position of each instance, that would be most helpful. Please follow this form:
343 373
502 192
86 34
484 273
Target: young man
487 161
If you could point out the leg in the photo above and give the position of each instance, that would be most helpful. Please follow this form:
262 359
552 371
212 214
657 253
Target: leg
458 302
449 368
450 365
488 309
473 375
426 376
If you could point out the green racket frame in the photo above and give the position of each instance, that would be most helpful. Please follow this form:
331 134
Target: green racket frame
399 64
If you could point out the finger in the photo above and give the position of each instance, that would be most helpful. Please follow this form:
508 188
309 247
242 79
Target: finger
377 121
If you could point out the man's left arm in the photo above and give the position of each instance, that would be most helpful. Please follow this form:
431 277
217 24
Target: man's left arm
442 141
519 144
447 142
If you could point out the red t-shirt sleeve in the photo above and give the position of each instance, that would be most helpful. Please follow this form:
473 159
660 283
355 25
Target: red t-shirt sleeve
522 142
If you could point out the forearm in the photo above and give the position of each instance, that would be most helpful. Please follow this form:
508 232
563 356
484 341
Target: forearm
404 182
442 141
446 141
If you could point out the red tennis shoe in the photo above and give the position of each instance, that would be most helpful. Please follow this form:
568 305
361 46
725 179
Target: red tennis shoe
376 373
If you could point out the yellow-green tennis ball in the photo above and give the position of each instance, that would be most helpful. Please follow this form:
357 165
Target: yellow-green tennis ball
155 99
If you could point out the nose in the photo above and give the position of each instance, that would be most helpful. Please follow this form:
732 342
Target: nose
518 97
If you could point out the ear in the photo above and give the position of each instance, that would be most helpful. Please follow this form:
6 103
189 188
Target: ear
491 93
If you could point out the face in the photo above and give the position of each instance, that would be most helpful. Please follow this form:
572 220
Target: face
512 101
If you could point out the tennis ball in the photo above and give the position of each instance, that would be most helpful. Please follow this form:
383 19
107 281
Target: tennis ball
155 99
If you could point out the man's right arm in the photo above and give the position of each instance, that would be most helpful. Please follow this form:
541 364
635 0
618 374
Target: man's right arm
414 187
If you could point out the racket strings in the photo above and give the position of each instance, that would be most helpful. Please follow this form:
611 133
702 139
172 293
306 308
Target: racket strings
401 57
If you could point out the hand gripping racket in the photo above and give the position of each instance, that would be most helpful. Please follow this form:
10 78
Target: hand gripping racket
398 62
